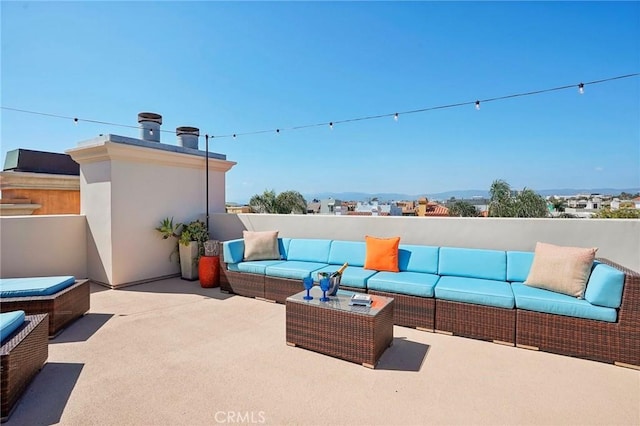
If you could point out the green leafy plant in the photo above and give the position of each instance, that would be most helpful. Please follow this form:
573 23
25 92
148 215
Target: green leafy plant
196 231
169 230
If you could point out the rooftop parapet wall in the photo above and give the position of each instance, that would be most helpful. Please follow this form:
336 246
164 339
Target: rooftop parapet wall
616 239
32 246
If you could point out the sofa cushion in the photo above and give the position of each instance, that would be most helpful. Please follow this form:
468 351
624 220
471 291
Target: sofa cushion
605 286
10 322
293 269
411 283
34 286
382 253
352 252
233 250
476 291
309 250
561 269
473 263
518 265
414 258
261 245
254 266
353 276
540 300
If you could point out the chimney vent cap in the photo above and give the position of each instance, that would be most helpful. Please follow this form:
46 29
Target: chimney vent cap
149 116
187 130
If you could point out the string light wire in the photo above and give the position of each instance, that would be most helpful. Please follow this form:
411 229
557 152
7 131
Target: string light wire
395 115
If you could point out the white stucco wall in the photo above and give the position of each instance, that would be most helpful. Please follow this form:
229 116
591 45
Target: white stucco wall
126 190
35 246
616 239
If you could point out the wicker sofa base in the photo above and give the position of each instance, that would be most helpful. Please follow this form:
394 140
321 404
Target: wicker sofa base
576 337
242 283
21 357
412 311
476 321
63 307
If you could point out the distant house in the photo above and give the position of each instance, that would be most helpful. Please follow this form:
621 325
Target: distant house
313 207
430 208
373 208
330 206
39 183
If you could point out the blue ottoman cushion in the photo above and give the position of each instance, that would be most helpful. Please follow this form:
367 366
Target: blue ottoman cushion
34 286
9 322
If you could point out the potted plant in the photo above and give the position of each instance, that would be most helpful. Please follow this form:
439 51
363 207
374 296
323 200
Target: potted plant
190 245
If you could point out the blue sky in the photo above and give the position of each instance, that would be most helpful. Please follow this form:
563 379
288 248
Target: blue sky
248 66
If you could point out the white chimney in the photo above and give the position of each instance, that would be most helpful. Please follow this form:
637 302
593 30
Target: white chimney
188 136
150 126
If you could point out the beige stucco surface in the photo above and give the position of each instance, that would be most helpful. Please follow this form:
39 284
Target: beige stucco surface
616 239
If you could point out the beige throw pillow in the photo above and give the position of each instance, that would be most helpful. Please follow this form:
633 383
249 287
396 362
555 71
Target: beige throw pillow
261 245
561 269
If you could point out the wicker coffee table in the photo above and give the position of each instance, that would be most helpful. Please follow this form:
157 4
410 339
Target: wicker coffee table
353 333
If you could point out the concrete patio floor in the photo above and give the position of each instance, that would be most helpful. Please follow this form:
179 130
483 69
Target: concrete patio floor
172 353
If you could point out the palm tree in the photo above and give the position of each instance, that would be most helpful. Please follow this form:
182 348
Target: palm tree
291 202
463 209
501 203
265 203
530 204
286 202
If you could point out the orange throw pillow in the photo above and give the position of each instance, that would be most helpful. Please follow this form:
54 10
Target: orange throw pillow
382 254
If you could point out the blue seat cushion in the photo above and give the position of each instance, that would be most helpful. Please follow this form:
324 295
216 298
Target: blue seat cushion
518 265
352 252
35 286
10 322
473 263
254 266
604 287
410 283
418 258
540 300
293 269
476 291
353 276
309 250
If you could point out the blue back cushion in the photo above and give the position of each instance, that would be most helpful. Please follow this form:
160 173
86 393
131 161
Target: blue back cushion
352 252
604 287
518 265
473 263
9 322
36 286
418 258
309 250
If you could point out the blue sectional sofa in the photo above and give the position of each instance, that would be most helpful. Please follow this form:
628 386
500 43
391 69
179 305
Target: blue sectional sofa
475 293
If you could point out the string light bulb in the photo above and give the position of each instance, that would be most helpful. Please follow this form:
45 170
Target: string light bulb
395 116
331 125
581 88
478 105
234 135
277 130
75 120
150 132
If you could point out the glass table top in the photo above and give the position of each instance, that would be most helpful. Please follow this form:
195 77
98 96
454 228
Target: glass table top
340 301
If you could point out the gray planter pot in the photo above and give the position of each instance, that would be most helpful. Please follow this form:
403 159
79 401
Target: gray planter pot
188 266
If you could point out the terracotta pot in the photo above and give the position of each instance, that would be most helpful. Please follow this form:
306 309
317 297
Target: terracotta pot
209 271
